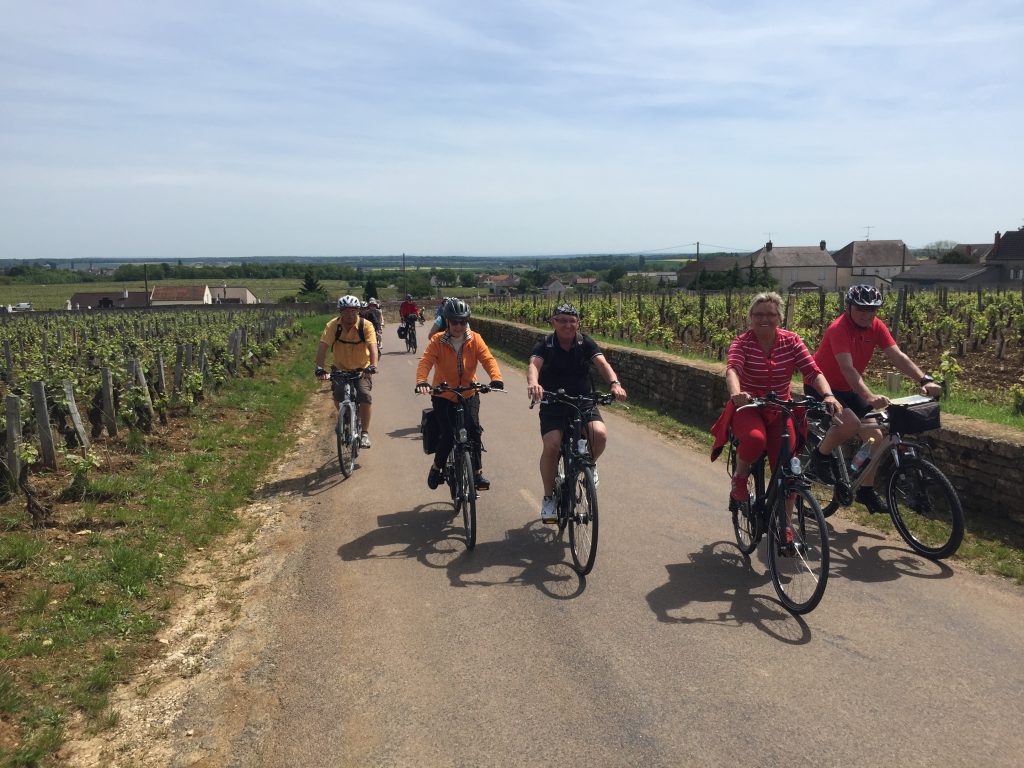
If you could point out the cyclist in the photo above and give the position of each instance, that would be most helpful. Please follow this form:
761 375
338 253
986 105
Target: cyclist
439 315
454 355
762 360
843 355
372 313
353 344
408 307
563 361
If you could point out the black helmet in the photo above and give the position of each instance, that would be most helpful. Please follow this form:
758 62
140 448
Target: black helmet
456 309
566 309
864 296
408 297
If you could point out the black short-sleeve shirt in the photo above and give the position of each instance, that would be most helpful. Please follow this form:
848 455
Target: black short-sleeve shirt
568 370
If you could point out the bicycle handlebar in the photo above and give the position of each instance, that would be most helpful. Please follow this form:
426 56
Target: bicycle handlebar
476 386
580 402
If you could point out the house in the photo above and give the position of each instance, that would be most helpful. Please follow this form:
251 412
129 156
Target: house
871 262
168 295
657 278
108 300
554 287
975 253
582 284
233 294
499 283
804 265
688 274
1008 255
934 275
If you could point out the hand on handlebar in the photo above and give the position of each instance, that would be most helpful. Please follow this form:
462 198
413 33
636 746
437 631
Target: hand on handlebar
321 374
422 388
878 402
740 399
933 389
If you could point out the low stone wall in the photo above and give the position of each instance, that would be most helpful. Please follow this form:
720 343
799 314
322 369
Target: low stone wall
983 461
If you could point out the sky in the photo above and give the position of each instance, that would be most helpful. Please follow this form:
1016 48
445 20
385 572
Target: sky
198 129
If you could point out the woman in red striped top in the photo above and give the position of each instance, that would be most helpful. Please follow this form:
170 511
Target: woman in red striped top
762 360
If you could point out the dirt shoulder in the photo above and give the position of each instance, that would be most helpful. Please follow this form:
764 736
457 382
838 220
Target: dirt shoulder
217 593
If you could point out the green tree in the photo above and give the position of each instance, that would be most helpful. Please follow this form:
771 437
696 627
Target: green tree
311 290
369 289
467 280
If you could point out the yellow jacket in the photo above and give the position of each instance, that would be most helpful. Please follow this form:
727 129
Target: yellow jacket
456 369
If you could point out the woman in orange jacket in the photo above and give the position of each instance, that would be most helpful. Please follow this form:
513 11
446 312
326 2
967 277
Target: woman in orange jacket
454 354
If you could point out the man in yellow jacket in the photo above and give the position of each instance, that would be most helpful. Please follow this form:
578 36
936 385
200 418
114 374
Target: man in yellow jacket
454 354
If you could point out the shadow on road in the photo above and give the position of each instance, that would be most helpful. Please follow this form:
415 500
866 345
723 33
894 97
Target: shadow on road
717 586
855 556
431 533
321 479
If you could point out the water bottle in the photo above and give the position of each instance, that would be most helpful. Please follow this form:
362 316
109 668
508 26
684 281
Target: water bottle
581 446
862 455
794 466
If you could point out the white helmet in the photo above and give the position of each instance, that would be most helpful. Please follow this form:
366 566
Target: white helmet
373 302
349 302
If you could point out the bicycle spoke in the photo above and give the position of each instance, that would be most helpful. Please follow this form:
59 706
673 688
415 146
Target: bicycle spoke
800 569
925 509
583 521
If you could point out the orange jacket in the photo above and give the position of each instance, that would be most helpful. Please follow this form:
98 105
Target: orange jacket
456 369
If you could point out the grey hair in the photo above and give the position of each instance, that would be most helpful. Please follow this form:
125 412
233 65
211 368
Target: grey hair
764 296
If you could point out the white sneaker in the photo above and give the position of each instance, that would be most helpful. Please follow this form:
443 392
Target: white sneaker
364 441
548 512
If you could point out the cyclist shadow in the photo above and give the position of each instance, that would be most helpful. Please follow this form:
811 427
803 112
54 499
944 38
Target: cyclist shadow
719 574
410 432
421 532
866 556
530 556
321 479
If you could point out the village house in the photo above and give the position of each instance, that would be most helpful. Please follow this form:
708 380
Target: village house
168 295
1008 255
931 274
554 287
499 283
108 300
796 267
871 262
657 278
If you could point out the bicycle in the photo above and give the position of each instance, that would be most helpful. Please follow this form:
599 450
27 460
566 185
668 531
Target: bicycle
922 502
459 473
798 567
349 428
575 485
410 333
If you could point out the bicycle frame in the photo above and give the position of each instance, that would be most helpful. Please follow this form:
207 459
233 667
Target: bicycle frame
347 430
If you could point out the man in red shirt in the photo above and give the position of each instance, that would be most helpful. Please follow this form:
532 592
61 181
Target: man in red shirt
844 353
408 307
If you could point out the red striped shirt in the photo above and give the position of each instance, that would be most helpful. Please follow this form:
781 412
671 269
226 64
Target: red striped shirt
760 373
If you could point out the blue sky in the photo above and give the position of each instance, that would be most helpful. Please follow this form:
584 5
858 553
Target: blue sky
182 129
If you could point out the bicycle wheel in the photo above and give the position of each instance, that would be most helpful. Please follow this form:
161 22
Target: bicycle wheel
583 520
746 522
410 341
825 494
799 569
343 433
925 508
562 498
467 495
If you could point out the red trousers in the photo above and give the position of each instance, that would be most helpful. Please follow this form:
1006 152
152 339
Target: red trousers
760 430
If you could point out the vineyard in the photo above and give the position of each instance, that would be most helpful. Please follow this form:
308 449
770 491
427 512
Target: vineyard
976 338
78 376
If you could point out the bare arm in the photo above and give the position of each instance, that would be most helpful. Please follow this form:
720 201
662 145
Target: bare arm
857 383
909 368
533 387
608 374
321 356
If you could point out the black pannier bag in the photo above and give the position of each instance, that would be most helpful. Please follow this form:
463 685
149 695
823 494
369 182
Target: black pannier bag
912 419
401 331
430 430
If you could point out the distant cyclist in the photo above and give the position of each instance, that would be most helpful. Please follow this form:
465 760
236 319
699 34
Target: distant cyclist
454 356
352 341
843 355
408 307
563 361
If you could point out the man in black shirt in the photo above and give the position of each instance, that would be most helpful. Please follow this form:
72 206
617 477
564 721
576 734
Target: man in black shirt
563 361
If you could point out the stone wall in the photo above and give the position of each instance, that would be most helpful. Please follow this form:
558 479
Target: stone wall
983 461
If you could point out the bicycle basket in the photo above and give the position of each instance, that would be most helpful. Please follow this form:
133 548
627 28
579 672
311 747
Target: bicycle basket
430 430
912 419
401 331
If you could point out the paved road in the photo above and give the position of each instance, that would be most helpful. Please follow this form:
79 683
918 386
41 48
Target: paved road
386 644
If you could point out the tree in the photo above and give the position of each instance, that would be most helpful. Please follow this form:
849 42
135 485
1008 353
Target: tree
467 280
369 289
311 290
615 274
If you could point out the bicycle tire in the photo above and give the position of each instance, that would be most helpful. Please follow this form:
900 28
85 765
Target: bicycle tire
410 341
746 522
799 571
467 492
825 494
583 521
343 435
562 498
452 479
925 508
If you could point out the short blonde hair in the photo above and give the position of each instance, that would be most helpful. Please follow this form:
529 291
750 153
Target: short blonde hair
763 297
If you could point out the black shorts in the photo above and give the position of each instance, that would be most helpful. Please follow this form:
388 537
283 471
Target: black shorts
850 400
556 416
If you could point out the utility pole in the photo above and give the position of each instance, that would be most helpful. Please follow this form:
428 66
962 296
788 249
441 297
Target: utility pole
867 232
405 282
697 283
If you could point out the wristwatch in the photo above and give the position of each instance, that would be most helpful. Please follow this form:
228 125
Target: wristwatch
613 383
926 379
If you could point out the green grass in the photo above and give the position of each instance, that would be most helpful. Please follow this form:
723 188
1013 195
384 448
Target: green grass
93 601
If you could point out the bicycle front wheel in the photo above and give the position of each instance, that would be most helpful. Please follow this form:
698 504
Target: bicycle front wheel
583 520
343 433
467 494
410 341
799 568
925 508
562 497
